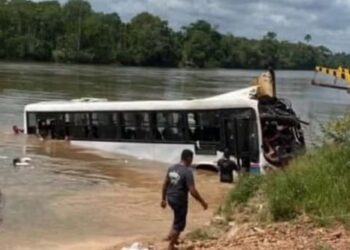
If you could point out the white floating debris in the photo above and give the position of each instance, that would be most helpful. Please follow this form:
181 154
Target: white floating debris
3 157
22 162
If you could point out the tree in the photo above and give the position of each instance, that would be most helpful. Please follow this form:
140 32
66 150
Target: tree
49 27
270 35
73 32
150 42
75 12
308 38
201 45
101 37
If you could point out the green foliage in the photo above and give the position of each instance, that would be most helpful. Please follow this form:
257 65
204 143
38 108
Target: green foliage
201 45
74 32
150 42
317 184
270 36
245 189
308 38
338 131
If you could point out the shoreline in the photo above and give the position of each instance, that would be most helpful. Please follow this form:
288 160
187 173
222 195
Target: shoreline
118 65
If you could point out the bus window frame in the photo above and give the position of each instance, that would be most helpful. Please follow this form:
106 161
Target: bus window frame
184 113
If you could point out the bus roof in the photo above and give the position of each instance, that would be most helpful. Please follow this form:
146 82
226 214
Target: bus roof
236 99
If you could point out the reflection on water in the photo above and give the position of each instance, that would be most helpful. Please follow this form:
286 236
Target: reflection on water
72 196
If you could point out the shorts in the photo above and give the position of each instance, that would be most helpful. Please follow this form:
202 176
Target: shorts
180 215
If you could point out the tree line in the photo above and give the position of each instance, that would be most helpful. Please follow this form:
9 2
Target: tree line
74 32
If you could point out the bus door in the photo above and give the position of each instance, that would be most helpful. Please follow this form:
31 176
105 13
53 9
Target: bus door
230 137
243 141
238 136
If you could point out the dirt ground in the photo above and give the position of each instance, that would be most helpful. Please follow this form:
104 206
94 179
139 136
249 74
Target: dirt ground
301 234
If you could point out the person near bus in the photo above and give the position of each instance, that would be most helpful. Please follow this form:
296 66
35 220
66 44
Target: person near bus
178 182
16 130
227 167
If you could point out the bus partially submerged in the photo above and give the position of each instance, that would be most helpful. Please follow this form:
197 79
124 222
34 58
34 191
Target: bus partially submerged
159 130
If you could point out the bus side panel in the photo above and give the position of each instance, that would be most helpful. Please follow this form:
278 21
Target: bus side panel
167 153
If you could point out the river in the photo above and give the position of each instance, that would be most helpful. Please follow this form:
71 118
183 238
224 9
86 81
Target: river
75 198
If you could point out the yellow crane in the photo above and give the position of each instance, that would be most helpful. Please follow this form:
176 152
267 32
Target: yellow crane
339 73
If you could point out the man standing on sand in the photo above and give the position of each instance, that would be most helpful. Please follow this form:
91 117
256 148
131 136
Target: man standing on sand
178 182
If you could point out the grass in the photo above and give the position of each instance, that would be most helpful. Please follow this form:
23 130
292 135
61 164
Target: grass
245 189
317 184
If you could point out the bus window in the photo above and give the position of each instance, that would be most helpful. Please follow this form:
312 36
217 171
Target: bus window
50 125
230 135
116 126
57 126
31 121
102 125
156 135
136 126
204 126
170 126
143 129
129 126
79 126
248 146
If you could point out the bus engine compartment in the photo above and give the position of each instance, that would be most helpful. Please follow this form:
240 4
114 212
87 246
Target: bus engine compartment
282 132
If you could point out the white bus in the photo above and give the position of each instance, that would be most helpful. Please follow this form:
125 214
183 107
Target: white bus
160 130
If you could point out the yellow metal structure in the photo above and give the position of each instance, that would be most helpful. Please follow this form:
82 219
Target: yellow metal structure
339 73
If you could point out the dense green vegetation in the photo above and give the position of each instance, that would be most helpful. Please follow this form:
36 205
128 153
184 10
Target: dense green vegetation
316 184
73 32
245 189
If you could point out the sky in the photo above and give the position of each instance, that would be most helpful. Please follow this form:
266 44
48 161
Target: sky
326 20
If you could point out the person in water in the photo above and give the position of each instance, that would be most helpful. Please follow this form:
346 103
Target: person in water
178 182
226 167
16 130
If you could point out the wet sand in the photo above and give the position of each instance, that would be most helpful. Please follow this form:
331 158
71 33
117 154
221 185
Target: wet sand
75 199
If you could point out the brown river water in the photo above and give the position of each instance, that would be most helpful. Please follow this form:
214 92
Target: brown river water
74 198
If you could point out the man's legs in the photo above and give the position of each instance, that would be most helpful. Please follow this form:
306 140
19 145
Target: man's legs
173 239
179 224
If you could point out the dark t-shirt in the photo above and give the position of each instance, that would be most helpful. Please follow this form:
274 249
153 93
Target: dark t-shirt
180 180
226 167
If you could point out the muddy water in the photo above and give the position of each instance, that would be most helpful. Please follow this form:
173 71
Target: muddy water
75 198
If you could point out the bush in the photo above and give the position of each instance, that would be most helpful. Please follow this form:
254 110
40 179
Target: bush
245 189
317 184
338 131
